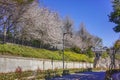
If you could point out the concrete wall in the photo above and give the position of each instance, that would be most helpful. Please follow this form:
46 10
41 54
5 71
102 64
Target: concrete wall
10 63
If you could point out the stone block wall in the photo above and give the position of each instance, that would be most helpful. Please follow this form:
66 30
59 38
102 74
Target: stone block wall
10 63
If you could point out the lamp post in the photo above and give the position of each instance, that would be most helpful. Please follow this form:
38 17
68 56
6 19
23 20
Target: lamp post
63 51
63 57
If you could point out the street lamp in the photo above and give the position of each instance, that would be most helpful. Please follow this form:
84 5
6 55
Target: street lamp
63 50
63 57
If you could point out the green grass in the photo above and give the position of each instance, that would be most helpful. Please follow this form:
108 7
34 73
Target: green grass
24 51
40 74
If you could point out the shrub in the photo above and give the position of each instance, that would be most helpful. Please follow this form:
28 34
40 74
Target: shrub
117 56
18 72
90 53
39 70
18 69
68 49
104 55
76 49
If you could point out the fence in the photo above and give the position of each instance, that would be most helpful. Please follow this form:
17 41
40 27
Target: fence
31 43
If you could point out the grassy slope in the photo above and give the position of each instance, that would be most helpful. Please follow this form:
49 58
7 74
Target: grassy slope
17 50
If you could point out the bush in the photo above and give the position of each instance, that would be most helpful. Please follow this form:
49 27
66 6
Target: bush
18 72
90 53
68 49
76 49
72 56
65 72
117 56
104 55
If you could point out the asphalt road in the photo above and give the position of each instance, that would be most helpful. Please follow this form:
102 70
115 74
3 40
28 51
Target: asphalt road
83 76
116 76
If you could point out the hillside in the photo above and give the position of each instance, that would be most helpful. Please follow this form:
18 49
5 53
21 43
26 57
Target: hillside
24 51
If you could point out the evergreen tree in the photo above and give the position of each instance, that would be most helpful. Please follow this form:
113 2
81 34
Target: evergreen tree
115 15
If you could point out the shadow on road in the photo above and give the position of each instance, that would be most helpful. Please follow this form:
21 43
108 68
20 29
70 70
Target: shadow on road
83 76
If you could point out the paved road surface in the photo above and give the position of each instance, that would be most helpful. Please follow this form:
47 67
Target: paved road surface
116 76
83 76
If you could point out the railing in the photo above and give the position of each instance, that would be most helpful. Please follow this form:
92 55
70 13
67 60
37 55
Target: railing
31 43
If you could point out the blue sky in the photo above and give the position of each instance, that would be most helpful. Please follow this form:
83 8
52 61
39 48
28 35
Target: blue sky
93 13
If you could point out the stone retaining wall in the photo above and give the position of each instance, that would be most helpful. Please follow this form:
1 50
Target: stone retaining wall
10 63
104 63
